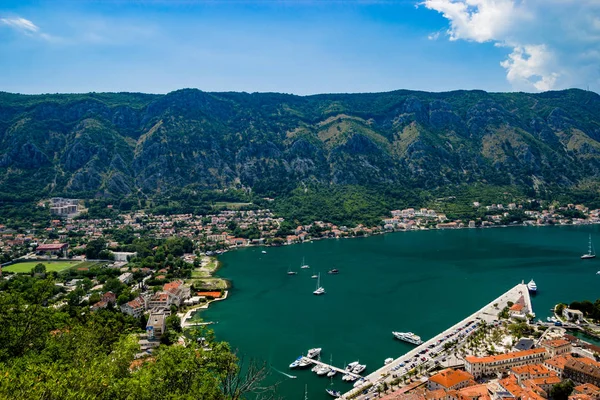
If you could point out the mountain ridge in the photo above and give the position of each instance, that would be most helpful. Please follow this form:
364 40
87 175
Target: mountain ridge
121 144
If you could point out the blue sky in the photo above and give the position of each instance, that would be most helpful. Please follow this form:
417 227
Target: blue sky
301 47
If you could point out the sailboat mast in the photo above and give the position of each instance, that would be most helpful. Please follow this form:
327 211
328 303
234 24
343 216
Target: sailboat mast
305 392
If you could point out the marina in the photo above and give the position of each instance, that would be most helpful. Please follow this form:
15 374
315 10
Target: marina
459 331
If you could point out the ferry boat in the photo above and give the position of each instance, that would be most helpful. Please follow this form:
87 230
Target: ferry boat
590 253
312 353
333 393
531 286
408 337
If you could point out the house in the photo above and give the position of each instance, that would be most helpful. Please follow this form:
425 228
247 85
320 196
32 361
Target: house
135 307
109 297
482 366
573 315
156 324
592 391
557 347
126 277
450 379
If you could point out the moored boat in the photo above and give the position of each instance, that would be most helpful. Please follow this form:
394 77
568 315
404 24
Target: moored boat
333 393
408 337
531 286
312 353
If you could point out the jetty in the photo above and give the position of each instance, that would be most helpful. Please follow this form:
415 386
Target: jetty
340 370
488 314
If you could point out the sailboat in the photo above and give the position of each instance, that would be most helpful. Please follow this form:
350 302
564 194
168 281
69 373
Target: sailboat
320 289
304 266
290 272
590 253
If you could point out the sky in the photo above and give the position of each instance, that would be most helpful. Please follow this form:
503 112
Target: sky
298 46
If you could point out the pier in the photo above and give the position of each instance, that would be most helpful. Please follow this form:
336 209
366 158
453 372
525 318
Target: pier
340 370
488 313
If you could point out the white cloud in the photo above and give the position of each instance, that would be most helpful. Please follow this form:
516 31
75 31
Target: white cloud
554 43
433 36
28 28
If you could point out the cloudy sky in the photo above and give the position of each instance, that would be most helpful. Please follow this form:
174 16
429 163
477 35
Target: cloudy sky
298 46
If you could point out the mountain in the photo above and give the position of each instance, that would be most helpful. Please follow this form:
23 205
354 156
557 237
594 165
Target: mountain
119 144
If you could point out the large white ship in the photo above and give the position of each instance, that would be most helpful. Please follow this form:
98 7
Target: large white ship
408 337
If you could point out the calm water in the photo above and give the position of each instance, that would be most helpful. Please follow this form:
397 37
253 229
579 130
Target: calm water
407 281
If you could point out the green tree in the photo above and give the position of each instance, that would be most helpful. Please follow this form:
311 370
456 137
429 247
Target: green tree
562 390
39 269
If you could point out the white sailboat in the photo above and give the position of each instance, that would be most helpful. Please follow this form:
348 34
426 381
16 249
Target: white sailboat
304 266
290 272
590 253
320 289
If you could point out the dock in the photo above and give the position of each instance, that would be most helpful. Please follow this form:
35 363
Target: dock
488 313
340 370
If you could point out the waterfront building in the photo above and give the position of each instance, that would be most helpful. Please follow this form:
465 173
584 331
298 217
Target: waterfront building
557 347
450 379
573 315
583 370
481 366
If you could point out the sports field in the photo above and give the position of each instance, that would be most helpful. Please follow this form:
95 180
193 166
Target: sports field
26 267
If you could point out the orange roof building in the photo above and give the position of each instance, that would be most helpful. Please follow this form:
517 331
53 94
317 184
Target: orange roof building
481 366
557 347
557 364
449 379
592 391
530 371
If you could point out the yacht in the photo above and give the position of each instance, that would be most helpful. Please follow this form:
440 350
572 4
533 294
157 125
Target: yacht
590 253
351 366
296 362
388 361
305 362
333 271
320 290
333 393
323 370
532 286
360 382
408 337
359 368
312 353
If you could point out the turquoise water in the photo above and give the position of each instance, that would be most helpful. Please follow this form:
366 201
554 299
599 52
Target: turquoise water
420 281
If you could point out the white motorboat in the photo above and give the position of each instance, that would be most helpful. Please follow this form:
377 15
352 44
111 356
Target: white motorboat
351 366
590 253
388 361
312 353
296 362
323 370
304 362
331 373
531 286
349 378
264 252
360 382
315 368
320 289
314 276
333 393
359 368
408 337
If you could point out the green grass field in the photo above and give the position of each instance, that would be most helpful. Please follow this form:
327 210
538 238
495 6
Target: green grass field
26 267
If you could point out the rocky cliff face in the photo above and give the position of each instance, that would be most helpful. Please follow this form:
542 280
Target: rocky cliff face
122 143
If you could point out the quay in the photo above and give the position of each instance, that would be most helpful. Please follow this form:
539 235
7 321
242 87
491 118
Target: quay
488 313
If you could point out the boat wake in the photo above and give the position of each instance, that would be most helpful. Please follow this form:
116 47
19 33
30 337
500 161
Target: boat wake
283 373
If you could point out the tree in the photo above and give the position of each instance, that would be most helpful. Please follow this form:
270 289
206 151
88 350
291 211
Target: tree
94 247
562 390
39 269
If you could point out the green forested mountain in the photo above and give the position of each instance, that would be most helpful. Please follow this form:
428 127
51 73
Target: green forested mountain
122 144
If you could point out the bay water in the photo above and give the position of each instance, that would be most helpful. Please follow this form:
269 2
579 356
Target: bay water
418 281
